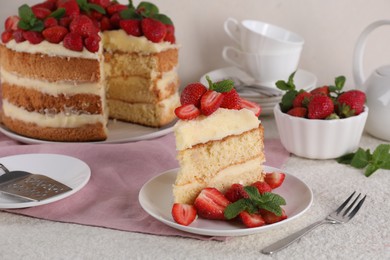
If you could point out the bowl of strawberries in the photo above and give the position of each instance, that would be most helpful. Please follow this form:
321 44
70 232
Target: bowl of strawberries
324 123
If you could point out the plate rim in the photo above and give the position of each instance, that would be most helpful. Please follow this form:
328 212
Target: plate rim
228 232
45 156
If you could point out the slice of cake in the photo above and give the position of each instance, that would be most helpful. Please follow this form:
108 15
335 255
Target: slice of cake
66 66
219 139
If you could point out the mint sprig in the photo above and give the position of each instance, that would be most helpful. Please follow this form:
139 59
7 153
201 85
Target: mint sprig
339 85
88 7
256 201
147 9
220 86
291 92
379 159
58 14
28 21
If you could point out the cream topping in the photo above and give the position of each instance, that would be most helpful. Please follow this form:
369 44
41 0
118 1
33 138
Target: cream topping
220 124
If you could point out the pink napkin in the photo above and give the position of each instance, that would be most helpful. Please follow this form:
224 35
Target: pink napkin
110 199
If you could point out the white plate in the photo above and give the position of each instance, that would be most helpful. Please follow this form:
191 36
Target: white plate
118 132
156 198
68 170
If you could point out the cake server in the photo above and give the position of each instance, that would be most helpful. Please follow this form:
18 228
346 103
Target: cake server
29 186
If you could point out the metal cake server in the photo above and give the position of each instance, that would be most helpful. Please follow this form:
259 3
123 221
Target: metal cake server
32 187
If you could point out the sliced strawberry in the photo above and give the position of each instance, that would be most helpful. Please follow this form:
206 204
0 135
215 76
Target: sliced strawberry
18 36
301 99
210 102
231 100
41 12
83 25
11 23
50 22
131 27
274 179
115 8
183 214
324 91
72 9
54 34
187 112
262 187
153 30
251 220
270 217
251 106
236 192
298 111
192 94
73 41
92 43
211 204
6 36
33 37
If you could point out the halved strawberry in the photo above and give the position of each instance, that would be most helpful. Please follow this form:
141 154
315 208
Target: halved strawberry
251 106
270 217
73 41
236 192
6 36
211 204
41 12
183 214
192 93
92 43
83 25
262 187
54 34
187 112
251 220
33 37
153 29
11 23
231 100
131 27
210 102
274 179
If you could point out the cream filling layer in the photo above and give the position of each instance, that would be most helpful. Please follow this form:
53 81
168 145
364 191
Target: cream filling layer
119 40
52 88
60 120
220 124
52 49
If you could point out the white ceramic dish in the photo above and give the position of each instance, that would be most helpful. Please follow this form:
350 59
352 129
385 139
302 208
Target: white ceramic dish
156 198
118 132
319 139
68 170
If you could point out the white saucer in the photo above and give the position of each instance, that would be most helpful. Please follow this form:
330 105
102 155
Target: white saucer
68 170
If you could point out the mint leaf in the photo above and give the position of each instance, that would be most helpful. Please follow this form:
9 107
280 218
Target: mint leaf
128 14
97 8
26 13
287 100
346 159
147 9
269 201
59 13
223 86
381 156
235 208
361 158
371 168
163 18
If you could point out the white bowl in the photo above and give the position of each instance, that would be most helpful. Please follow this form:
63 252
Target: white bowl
320 139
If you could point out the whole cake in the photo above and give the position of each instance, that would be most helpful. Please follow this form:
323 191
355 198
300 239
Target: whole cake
219 139
67 66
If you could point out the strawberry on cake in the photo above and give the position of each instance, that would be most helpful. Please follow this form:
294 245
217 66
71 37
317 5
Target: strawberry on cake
66 66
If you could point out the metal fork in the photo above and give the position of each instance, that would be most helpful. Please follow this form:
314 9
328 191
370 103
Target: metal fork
339 216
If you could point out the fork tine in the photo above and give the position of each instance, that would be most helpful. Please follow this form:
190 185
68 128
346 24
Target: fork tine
356 209
350 206
345 203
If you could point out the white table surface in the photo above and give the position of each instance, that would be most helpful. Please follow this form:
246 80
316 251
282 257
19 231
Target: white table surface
367 236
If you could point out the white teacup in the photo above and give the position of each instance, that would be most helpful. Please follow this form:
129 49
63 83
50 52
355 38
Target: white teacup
257 37
265 68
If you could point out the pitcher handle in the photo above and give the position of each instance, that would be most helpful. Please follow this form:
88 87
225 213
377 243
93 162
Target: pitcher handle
358 52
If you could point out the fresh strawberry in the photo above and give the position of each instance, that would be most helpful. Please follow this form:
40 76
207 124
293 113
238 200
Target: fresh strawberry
51 5
41 12
115 20
274 179
72 9
18 36
236 192
95 16
83 25
170 36
321 91
192 93
351 103
187 112
231 100
115 8
50 22
102 3
211 204
92 43
270 217
320 107
298 111
210 102
33 37
6 36
251 220
262 187
65 21
251 106
105 24
183 214
73 41
153 30
302 99
131 27
11 23
54 34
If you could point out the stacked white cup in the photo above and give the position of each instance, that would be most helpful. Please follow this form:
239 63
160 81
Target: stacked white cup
268 53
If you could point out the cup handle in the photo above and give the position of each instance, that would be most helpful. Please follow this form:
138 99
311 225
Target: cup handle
232 56
232 29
